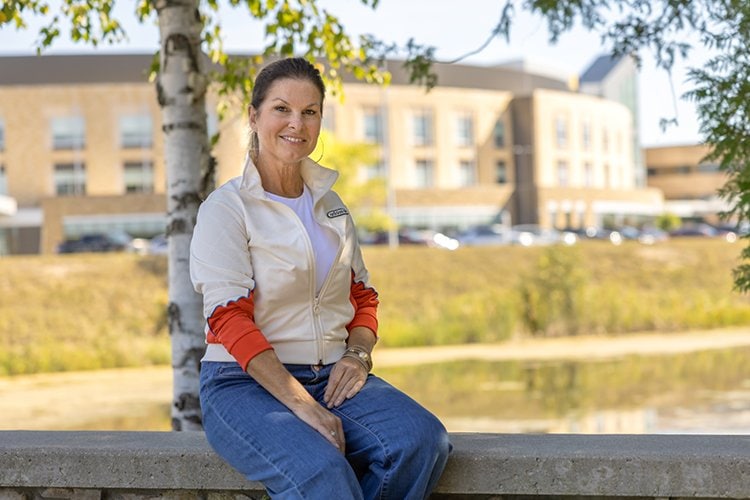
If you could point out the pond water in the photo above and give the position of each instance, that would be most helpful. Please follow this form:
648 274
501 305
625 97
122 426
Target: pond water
700 392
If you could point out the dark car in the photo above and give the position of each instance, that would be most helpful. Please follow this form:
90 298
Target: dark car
96 242
702 230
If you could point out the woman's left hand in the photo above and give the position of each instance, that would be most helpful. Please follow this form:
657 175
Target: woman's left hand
347 377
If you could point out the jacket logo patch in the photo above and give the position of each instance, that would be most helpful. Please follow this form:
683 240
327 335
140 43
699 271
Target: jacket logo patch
337 212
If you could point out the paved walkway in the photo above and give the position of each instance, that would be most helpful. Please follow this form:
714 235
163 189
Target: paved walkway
583 347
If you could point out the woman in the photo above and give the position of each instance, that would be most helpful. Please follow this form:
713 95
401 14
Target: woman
291 321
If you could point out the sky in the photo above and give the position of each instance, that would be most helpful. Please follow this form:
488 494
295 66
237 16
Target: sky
454 28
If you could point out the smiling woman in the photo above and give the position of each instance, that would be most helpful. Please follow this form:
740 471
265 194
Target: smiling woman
291 321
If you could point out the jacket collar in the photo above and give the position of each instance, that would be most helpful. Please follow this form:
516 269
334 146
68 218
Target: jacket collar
317 178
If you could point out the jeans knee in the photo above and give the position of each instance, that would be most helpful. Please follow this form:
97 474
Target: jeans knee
429 439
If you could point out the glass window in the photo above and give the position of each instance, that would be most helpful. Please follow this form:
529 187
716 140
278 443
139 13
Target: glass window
329 118
373 125
586 135
501 172
561 132
136 131
562 174
708 167
212 123
498 134
464 130
3 181
2 135
605 140
588 174
68 132
608 178
467 173
70 179
424 171
139 177
422 128
375 171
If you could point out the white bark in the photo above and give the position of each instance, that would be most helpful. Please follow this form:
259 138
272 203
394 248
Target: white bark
181 88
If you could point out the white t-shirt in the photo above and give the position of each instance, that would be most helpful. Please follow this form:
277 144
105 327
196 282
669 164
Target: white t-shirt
324 242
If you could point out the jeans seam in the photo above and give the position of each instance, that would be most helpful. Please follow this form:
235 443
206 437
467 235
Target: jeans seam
386 452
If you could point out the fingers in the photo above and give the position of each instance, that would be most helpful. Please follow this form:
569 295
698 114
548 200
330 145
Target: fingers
326 423
346 379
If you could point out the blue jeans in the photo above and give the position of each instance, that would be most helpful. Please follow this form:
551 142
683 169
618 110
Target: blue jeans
395 449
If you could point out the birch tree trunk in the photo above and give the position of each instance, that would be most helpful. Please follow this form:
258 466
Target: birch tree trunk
181 88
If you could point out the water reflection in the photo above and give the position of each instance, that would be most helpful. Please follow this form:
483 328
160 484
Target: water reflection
701 392
704 392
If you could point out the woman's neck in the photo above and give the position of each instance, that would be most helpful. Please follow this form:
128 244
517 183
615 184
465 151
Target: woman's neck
282 180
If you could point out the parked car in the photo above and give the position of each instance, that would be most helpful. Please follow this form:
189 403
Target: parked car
158 245
703 230
494 234
97 242
596 233
532 234
413 237
651 235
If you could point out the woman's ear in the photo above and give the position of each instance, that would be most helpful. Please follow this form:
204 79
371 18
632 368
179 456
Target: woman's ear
252 116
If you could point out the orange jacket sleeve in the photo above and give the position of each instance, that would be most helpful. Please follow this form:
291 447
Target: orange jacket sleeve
233 326
365 302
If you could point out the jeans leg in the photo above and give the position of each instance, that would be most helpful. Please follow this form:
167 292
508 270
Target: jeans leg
261 438
397 448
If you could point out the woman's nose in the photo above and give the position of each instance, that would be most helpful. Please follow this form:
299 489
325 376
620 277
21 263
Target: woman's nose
295 121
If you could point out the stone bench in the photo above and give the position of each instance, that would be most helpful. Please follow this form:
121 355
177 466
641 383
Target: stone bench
132 465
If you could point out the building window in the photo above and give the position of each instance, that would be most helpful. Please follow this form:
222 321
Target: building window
329 122
561 132
608 177
422 128
468 173
498 134
464 130
501 172
212 123
139 177
425 173
3 181
2 135
586 135
373 125
136 131
708 167
605 140
375 171
70 179
588 174
68 132
562 174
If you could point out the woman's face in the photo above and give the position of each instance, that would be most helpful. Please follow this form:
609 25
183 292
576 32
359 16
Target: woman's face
287 121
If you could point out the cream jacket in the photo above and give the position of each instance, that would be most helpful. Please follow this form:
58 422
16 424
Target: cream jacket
252 261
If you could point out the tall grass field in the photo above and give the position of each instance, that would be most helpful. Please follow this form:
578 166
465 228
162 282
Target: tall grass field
90 311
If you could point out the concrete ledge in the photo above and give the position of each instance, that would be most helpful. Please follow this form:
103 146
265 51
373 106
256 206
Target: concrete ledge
481 465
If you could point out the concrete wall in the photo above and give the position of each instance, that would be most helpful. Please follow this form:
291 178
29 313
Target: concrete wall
137 465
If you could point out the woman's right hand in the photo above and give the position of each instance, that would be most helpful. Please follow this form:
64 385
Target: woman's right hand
268 371
323 421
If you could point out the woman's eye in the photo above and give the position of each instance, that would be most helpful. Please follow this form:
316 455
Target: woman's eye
311 112
280 108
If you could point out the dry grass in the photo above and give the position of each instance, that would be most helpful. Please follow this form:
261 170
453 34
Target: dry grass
76 312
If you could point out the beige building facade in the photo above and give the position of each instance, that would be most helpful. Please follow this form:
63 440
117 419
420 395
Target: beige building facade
81 150
690 183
